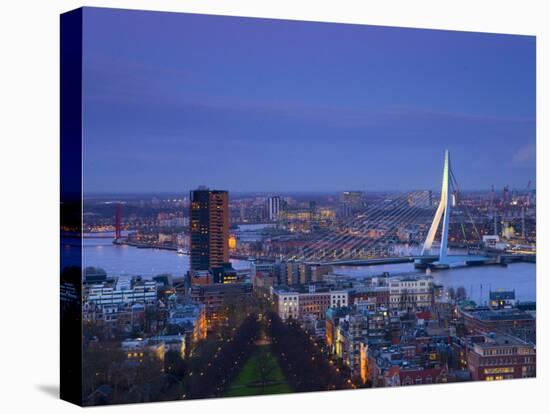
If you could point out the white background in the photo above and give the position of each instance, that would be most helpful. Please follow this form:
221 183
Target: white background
29 159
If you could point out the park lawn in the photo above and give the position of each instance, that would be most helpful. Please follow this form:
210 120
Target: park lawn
248 380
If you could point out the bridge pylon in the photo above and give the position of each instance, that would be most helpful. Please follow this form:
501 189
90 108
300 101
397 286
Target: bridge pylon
443 212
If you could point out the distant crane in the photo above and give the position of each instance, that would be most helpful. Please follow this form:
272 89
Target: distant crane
493 209
523 222
527 202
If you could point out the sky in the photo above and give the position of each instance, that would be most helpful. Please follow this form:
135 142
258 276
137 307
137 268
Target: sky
173 101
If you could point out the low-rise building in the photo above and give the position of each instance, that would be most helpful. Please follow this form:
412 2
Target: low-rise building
332 320
297 302
121 292
263 282
500 299
287 304
400 365
118 306
350 334
189 318
174 343
138 349
312 272
410 293
502 356
378 295
512 321
401 376
213 296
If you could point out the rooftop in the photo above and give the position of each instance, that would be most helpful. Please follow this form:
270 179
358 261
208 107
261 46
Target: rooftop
500 339
501 315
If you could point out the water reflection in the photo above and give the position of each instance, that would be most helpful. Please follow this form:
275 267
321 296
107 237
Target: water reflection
476 280
125 260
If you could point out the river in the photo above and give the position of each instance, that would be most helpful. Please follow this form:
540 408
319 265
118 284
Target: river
126 260
476 280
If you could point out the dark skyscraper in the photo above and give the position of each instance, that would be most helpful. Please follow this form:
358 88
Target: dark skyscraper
209 215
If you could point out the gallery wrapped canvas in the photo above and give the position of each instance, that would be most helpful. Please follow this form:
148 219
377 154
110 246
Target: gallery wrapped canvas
257 206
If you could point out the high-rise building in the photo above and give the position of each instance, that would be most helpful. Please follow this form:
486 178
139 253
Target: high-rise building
209 213
353 199
506 195
273 207
423 199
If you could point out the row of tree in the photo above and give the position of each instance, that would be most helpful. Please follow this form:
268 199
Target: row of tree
458 294
110 378
210 375
302 360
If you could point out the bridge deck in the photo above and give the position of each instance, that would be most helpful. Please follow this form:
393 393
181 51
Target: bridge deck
378 261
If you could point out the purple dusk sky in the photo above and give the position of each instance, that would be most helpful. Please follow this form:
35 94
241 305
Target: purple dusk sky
173 100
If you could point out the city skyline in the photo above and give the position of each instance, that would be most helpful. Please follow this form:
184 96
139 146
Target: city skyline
324 115
272 206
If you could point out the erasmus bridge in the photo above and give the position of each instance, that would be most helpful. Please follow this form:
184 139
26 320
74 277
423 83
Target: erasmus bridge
372 236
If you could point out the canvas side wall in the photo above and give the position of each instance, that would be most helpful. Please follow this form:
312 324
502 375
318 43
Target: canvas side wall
71 207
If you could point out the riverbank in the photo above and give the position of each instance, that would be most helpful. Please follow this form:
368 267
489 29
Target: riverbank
119 260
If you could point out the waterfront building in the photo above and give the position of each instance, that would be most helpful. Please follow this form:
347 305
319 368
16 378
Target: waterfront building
499 299
122 292
209 229
502 356
118 305
166 238
170 220
410 293
492 241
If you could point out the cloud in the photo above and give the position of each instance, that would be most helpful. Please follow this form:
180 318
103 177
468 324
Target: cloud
525 154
